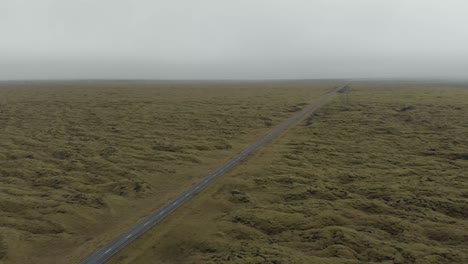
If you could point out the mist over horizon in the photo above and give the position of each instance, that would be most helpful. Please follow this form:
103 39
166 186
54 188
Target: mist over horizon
227 40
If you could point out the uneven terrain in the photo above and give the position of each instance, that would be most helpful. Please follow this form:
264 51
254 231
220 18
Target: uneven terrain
378 175
81 162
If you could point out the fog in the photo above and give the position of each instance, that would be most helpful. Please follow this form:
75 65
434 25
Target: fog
233 39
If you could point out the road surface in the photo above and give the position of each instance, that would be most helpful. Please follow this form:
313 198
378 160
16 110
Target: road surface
126 238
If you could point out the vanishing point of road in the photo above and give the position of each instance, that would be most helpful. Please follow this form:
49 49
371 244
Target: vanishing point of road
110 249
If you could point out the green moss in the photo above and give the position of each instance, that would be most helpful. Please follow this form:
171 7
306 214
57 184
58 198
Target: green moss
92 159
379 176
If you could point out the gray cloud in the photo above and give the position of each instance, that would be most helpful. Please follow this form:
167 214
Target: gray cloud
225 39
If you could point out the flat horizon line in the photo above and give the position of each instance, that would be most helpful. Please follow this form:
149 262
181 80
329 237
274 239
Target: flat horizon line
247 80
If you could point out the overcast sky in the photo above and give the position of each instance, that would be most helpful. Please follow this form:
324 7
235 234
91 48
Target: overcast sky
233 39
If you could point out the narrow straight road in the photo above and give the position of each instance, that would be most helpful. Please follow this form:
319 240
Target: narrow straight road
139 229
